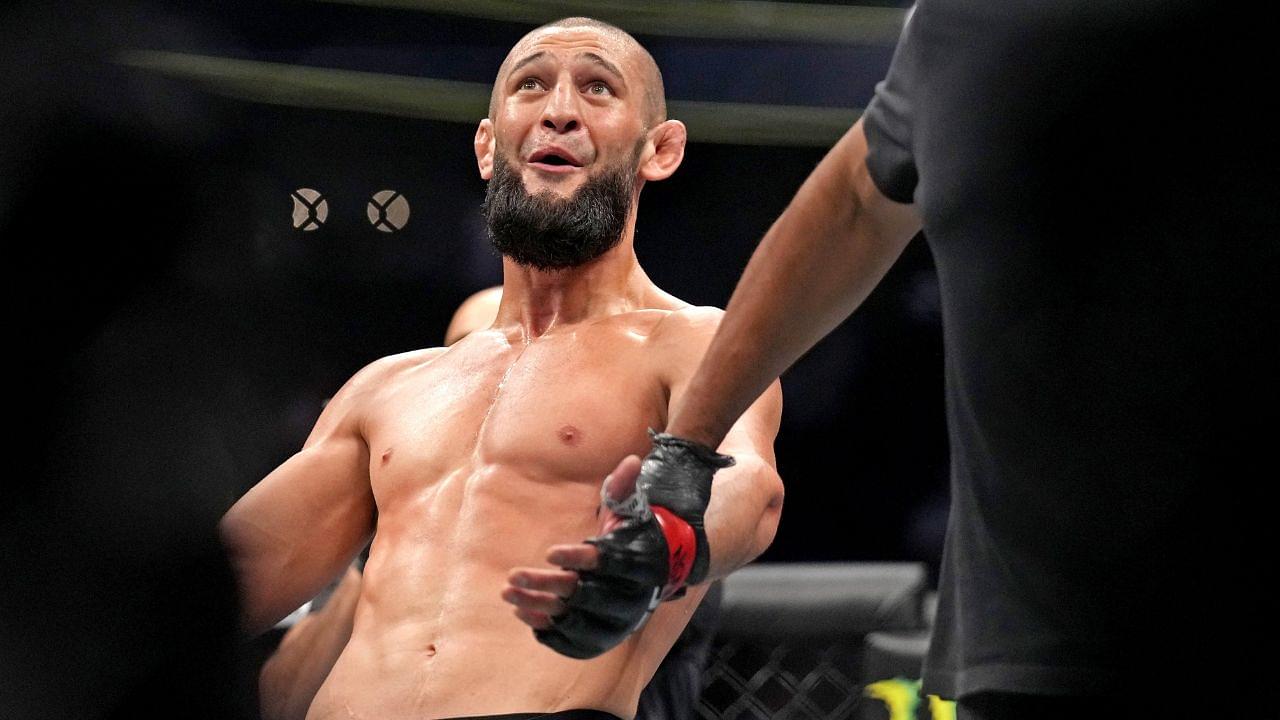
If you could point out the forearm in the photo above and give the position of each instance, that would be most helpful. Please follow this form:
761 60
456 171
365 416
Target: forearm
742 519
818 262
291 677
298 529
276 573
258 573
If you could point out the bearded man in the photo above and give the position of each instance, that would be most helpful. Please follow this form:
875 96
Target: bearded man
464 462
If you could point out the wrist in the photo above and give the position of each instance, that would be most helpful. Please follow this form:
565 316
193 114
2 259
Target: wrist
682 549
692 448
704 434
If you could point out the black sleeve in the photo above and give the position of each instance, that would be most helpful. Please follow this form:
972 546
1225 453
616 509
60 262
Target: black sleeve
887 123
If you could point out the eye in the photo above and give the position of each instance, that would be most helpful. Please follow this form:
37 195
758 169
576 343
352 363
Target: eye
599 88
528 84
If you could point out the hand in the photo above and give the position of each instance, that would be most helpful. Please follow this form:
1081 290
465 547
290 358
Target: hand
676 475
608 586
598 607
539 594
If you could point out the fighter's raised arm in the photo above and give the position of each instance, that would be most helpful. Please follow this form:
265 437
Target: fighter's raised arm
814 267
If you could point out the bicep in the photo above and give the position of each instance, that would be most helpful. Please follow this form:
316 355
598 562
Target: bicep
298 528
887 214
750 441
746 498
323 490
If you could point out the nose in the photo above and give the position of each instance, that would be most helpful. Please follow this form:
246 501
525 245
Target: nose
561 113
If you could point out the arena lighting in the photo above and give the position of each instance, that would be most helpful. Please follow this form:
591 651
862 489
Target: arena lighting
714 19
466 102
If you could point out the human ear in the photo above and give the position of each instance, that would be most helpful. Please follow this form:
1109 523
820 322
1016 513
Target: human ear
668 141
484 148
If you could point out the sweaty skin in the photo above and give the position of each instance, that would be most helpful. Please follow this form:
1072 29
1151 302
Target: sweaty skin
481 456
290 678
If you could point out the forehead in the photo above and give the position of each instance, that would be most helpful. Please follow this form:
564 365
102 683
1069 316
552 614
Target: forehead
570 41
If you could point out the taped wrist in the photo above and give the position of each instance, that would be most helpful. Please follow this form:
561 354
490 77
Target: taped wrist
682 547
676 475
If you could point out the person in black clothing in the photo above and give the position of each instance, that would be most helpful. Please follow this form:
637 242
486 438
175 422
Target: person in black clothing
1100 198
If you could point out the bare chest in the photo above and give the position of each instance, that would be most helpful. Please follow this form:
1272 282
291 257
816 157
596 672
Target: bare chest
556 410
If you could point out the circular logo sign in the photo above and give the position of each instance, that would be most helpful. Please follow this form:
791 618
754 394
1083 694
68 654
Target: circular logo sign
310 209
388 211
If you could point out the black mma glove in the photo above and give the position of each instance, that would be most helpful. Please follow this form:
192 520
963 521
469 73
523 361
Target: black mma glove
676 475
659 548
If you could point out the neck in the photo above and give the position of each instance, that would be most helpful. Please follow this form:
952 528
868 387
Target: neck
537 301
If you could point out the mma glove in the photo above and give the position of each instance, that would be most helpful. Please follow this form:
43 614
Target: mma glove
659 548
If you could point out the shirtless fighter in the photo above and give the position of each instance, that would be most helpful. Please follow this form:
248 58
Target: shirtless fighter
479 457
290 678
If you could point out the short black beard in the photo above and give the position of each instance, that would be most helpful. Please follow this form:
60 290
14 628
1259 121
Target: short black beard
546 232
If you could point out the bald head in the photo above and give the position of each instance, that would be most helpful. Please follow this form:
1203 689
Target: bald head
651 78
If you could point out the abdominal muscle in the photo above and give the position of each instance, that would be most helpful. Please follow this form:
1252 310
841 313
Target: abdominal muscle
433 638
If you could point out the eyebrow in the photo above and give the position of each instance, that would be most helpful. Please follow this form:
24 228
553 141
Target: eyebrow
594 58
530 59
603 63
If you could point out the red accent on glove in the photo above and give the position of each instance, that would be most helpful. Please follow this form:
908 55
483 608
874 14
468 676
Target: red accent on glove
682 545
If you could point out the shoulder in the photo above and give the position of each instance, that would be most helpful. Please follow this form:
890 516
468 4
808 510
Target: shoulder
678 341
688 324
345 413
378 374
391 366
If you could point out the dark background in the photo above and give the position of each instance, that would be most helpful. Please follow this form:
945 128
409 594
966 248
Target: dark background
174 336
173 191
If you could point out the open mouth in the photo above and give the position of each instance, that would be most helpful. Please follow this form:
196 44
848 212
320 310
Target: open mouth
554 158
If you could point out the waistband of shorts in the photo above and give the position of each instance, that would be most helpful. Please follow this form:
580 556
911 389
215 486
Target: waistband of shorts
560 715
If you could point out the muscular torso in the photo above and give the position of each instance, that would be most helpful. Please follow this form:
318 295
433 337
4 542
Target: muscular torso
480 458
